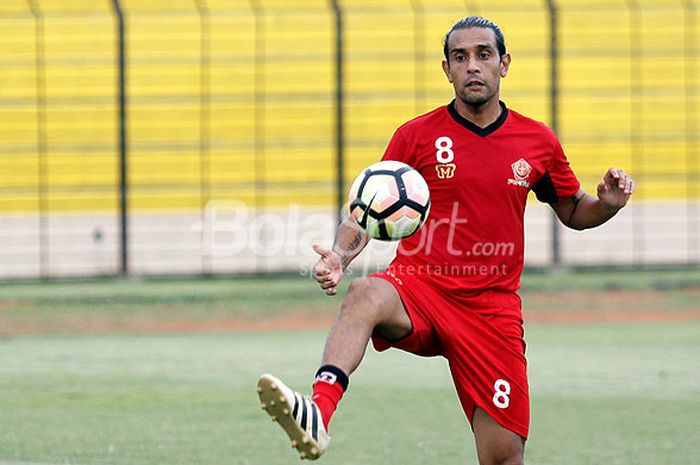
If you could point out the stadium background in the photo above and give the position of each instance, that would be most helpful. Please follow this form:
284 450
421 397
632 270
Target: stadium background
231 151
233 120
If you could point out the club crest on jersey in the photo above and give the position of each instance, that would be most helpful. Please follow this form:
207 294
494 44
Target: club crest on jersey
445 170
521 171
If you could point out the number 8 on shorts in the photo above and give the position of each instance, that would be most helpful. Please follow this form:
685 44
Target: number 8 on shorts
500 397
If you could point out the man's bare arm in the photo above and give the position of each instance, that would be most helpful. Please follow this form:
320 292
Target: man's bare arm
583 211
350 240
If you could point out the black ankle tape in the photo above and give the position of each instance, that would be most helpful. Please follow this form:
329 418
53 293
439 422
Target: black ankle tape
332 374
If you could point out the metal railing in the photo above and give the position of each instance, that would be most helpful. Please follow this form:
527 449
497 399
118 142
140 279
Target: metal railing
131 130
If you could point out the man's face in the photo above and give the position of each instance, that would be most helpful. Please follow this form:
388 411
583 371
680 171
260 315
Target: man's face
474 67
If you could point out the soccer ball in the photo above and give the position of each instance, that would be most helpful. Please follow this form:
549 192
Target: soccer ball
390 200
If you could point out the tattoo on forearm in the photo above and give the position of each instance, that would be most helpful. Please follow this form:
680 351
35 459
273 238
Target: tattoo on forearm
576 201
352 246
347 254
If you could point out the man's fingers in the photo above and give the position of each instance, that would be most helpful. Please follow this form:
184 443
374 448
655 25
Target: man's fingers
622 179
614 173
633 186
322 271
324 279
328 285
322 275
321 251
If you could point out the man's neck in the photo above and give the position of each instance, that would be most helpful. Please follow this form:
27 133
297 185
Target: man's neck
483 115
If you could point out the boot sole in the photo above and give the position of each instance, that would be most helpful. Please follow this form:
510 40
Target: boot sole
275 404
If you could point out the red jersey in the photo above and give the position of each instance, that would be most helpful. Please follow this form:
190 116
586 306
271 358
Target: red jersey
479 181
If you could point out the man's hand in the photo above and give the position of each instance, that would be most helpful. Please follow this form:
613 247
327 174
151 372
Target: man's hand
583 211
615 189
328 269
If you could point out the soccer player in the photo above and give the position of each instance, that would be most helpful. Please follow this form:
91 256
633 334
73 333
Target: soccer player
452 288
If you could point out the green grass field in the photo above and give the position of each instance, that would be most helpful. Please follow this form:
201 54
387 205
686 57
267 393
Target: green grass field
602 393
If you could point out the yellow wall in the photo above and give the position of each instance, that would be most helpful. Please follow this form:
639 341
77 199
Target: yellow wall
628 94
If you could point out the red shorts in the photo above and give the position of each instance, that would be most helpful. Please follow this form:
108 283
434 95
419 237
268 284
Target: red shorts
480 335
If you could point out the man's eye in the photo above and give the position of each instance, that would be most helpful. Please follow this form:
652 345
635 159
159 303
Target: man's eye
484 56
460 58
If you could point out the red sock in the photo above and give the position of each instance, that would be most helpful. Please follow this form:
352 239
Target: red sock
329 386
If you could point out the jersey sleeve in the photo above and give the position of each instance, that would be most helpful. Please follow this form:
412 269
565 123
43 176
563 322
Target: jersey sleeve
559 181
400 147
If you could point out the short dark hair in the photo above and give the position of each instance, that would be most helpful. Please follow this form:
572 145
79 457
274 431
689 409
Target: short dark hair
478 21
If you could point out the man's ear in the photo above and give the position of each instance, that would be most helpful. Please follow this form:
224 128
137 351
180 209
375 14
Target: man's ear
446 69
505 64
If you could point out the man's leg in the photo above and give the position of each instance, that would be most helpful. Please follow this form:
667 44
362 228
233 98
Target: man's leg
495 444
489 370
372 304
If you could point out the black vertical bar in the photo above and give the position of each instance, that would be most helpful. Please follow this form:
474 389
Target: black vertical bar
204 118
418 56
259 111
554 113
123 180
339 109
42 165
691 133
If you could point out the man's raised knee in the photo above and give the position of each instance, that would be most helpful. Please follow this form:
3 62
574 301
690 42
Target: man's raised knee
361 297
375 300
